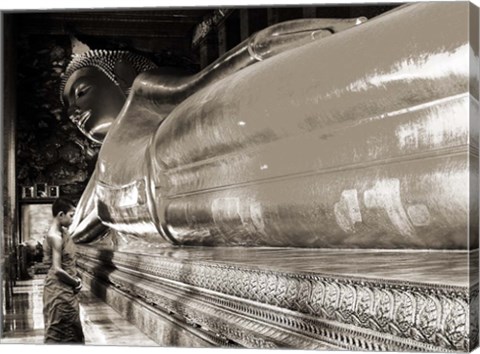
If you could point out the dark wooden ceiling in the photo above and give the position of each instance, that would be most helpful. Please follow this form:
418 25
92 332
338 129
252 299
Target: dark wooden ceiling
167 32
154 29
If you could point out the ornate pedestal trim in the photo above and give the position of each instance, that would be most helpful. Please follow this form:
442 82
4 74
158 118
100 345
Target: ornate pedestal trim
266 309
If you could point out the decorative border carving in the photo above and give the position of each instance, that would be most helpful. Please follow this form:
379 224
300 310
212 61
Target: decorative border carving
434 317
203 28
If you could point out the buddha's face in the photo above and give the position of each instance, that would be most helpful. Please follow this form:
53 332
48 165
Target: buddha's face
93 102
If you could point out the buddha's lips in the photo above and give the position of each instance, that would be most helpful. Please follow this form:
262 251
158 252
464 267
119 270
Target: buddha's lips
83 118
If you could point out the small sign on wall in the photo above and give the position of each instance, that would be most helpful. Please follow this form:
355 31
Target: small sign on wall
28 192
41 190
53 191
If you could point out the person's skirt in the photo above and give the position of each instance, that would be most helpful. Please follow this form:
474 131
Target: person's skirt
61 312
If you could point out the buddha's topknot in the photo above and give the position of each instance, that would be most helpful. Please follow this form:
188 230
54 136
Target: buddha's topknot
105 61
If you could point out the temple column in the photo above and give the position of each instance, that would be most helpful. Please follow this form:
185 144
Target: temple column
8 242
272 16
208 50
244 24
251 21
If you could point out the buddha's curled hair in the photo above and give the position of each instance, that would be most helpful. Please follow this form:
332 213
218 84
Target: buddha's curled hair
105 61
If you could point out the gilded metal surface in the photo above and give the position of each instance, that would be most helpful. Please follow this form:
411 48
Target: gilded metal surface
358 140
264 306
123 154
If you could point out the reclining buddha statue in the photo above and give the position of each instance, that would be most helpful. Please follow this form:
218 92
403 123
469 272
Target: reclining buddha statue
312 133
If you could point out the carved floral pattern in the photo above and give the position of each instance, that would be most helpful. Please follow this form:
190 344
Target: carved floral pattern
436 316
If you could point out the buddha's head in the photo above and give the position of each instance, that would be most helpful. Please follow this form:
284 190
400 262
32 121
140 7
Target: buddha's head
95 86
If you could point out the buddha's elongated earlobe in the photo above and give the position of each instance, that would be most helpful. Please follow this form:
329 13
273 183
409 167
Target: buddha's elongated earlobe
125 73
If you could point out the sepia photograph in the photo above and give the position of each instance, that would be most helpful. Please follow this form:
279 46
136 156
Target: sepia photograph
247 176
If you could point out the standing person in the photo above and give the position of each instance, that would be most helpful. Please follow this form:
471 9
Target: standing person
60 304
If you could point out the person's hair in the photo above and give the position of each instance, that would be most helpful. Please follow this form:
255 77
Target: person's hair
62 204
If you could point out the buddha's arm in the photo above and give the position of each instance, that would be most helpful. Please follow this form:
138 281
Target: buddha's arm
169 90
86 225
89 229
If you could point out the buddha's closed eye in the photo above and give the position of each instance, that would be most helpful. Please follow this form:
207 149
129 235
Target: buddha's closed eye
81 92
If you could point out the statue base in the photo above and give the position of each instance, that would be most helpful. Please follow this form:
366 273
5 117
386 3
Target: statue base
292 298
